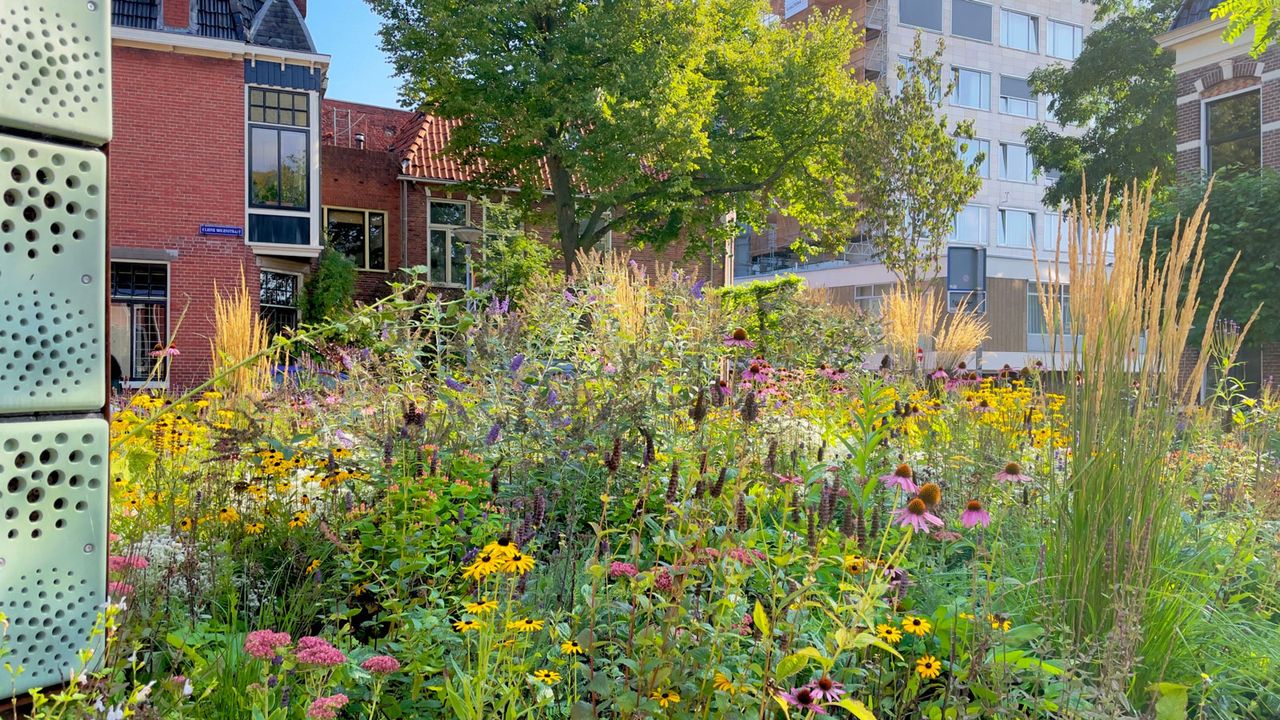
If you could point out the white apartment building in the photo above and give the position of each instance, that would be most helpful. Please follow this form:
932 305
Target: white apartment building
990 49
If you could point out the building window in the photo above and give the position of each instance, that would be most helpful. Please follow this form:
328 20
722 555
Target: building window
973 89
970 19
1016 163
1057 320
1017 228
279 167
1049 103
931 84
139 320
278 301
1016 97
794 6
970 149
868 297
447 261
360 235
971 225
1234 132
1065 40
1018 31
925 14
276 107
1057 232
967 279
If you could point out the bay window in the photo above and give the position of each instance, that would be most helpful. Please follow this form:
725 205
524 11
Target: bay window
279 167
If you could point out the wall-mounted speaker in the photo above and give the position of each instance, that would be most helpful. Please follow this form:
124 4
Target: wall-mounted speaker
53 554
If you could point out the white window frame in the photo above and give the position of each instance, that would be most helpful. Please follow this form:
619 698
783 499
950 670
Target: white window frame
449 276
793 7
313 213
1007 100
161 384
1004 164
984 230
970 37
984 92
1050 45
976 146
324 220
1005 13
1001 238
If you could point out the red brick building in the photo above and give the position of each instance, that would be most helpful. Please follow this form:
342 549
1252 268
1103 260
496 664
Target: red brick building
392 199
244 80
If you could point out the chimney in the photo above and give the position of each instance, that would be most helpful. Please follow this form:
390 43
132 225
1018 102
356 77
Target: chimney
177 14
302 7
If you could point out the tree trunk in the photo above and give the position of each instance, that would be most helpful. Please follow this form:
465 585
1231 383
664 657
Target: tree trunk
566 203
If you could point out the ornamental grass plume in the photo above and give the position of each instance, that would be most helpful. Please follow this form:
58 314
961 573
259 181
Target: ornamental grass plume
907 317
958 336
239 343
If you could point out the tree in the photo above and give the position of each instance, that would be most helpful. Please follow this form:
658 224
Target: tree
1121 90
912 180
661 119
1242 219
1263 16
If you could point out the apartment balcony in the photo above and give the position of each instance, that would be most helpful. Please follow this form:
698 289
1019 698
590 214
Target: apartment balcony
785 261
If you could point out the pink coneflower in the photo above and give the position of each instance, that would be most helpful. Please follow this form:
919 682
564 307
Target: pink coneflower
326 708
317 651
165 351
1012 473
620 569
789 479
825 689
917 515
974 514
738 338
803 698
265 644
938 374
381 664
901 477
983 407
757 370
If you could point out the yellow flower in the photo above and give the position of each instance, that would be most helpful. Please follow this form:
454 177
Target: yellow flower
466 625
967 616
889 633
724 684
999 622
185 525
665 697
525 625
212 395
928 667
253 528
546 677
228 514
299 519
854 564
917 626
481 567
518 563
341 453
571 647
314 566
501 549
482 607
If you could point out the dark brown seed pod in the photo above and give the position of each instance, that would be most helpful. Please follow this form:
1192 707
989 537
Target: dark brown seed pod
718 487
673 482
740 512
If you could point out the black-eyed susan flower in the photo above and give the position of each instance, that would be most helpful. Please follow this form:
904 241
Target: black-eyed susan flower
500 549
917 626
665 697
466 625
546 677
482 607
854 564
185 524
299 519
724 684
928 667
483 566
228 514
525 625
571 647
999 622
312 567
253 528
518 563
889 633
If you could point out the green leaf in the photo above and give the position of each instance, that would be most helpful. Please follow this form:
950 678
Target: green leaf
1171 701
790 665
761 619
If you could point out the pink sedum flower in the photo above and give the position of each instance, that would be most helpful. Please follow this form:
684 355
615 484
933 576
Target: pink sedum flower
266 644
621 569
381 664
317 651
115 588
326 708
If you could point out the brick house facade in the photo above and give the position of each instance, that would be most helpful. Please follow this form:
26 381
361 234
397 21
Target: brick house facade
244 79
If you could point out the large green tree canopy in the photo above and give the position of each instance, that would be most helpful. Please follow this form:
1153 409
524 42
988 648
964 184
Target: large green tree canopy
658 118
1121 91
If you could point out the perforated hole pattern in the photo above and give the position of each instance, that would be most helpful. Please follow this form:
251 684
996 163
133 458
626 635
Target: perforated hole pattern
53 494
52 268
55 71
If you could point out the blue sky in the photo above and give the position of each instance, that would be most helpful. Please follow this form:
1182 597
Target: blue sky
348 30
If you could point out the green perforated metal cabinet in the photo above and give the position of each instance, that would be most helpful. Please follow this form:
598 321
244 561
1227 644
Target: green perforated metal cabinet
55 74
53 278
53 562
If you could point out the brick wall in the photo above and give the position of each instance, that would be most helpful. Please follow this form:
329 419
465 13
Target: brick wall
177 14
365 180
1202 84
176 161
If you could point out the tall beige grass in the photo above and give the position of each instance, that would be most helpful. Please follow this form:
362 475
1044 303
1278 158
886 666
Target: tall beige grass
916 318
239 335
